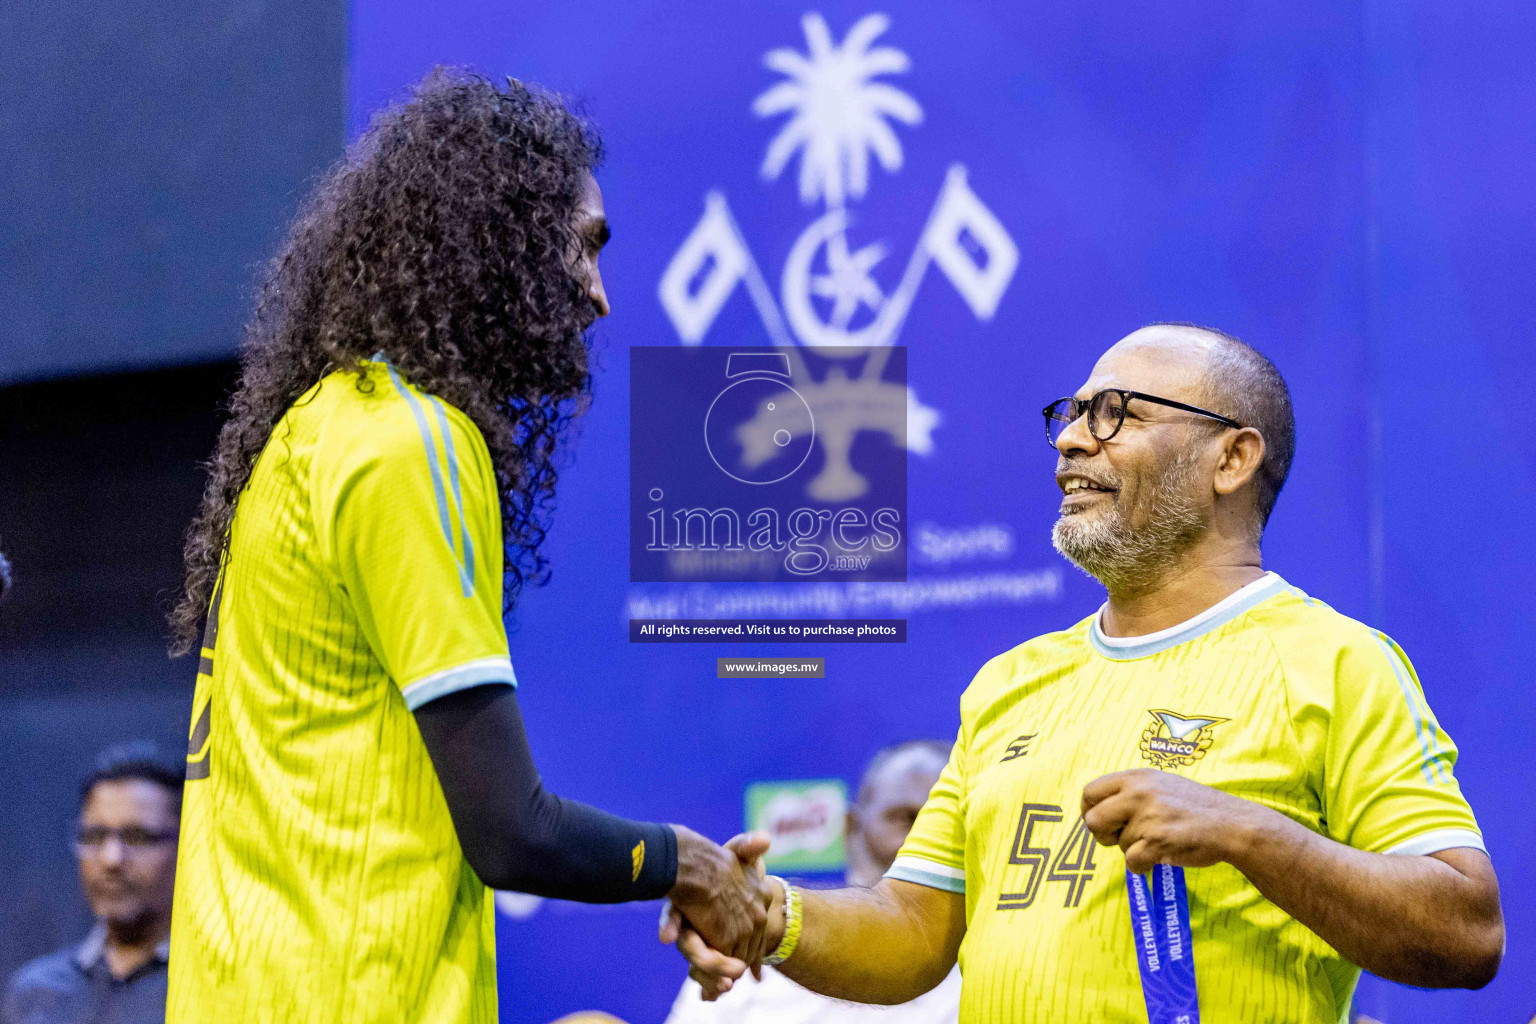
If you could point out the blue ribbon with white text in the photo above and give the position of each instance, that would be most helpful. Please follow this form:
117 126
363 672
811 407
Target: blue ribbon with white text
1160 926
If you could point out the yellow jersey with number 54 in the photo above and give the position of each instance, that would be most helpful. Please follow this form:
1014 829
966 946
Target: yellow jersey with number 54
319 876
1270 696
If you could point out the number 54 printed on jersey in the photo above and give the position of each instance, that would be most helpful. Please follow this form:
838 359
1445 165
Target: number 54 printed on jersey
1071 864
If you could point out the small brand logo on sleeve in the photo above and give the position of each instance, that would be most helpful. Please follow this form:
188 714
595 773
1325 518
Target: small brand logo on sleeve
1019 747
637 855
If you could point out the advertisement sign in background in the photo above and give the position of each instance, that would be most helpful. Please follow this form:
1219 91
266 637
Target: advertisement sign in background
805 820
1344 185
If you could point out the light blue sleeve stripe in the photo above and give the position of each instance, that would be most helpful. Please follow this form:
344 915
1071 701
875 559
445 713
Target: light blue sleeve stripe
466 582
907 873
1428 746
458 496
477 673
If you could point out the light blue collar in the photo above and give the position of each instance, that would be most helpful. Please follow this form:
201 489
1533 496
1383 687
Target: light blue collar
1129 648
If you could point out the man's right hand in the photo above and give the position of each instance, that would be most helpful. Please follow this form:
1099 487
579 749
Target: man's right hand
722 895
715 972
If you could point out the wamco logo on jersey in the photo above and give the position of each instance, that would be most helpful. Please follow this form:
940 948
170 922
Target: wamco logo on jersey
1176 741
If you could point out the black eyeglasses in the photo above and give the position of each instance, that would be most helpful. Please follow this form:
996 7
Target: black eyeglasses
1106 413
90 840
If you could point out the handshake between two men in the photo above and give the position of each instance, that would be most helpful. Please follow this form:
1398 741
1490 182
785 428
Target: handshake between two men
723 898
898 938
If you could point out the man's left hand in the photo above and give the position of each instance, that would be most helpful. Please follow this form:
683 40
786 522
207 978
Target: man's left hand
1158 817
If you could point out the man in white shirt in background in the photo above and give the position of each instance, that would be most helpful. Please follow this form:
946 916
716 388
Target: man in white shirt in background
894 788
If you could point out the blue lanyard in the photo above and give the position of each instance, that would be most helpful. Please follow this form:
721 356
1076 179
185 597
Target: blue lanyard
1160 928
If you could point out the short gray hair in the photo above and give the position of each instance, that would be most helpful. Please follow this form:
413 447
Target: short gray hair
940 749
1242 383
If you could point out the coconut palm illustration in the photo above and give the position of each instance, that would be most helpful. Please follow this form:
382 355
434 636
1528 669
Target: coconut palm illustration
840 116
841 119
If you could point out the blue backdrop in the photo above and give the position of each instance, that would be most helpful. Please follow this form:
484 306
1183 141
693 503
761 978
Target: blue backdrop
1346 185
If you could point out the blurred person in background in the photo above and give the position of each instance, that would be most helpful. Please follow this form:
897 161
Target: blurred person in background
5 577
126 845
893 789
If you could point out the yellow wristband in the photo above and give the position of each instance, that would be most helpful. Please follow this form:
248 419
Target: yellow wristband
791 939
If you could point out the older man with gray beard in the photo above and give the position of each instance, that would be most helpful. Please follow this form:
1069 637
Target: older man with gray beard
1214 799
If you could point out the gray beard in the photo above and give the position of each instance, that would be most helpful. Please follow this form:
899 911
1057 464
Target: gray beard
1127 560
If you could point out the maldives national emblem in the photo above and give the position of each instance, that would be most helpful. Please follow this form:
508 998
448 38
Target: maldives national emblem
841 118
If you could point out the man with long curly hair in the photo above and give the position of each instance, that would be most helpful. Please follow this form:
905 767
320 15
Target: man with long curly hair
357 768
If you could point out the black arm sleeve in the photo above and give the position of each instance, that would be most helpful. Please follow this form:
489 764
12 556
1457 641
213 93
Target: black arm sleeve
518 835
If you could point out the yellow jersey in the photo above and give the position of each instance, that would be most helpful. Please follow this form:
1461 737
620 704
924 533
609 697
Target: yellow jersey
319 877
1270 696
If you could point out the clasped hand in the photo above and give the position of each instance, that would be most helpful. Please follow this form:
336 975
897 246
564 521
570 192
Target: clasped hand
1156 817
719 951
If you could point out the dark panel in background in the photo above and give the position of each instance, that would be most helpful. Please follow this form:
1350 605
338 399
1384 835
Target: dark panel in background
102 478
151 154
99 478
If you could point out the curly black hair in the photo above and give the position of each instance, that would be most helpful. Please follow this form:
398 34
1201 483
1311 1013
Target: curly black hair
445 239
